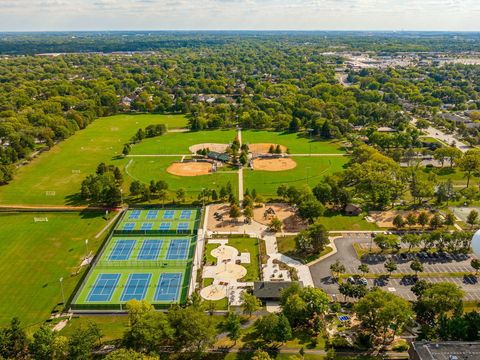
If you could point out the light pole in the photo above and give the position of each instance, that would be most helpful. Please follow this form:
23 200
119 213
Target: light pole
86 248
61 287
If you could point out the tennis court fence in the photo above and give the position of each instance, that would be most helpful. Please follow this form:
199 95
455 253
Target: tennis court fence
142 264
154 232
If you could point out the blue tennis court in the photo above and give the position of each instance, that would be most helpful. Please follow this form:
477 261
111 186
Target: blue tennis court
178 249
168 287
103 287
165 226
129 226
136 288
135 214
169 214
150 250
152 214
122 250
183 226
186 214
146 226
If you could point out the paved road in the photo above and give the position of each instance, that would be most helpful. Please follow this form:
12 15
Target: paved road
446 138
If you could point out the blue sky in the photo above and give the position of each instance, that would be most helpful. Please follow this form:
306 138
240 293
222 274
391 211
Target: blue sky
26 15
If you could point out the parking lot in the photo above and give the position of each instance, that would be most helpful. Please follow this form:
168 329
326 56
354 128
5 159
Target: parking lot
446 263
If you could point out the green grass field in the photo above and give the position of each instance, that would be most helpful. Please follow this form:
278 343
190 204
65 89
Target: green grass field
112 327
178 143
309 170
63 168
33 257
297 143
146 169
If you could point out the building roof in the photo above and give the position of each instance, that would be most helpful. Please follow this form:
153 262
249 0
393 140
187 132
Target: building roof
271 289
450 350
218 156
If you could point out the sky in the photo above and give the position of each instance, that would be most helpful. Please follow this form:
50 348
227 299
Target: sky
48 15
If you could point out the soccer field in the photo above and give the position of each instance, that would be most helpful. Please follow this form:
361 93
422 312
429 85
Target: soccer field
148 256
35 255
55 176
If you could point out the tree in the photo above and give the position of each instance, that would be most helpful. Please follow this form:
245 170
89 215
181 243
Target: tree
82 342
13 341
275 225
261 355
450 219
470 163
135 187
193 329
390 265
128 354
436 221
337 268
234 212
417 266
126 149
412 240
232 326
283 330
363 268
411 219
380 310
180 194
423 219
475 263
386 242
398 221
472 218
311 209
250 303
312 240
441 298
136 309
41 347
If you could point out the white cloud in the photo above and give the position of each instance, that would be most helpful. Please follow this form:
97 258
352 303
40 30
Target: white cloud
239 14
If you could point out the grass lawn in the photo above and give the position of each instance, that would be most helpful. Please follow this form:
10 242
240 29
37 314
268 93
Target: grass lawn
309 170
146 169
341 222
297 143
178 143
247 244
63 168
454 174
33 257
111 326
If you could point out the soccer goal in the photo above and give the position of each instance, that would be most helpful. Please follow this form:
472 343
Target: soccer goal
50 193
40 219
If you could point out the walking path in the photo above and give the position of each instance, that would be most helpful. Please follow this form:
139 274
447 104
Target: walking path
240 171
106 227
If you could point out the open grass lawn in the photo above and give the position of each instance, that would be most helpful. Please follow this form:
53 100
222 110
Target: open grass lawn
297 143
341 222
111 326
63 168
456 175
309 170
33 257
178 143
146 169
250 245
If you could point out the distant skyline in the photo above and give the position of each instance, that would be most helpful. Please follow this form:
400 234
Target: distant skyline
57 15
